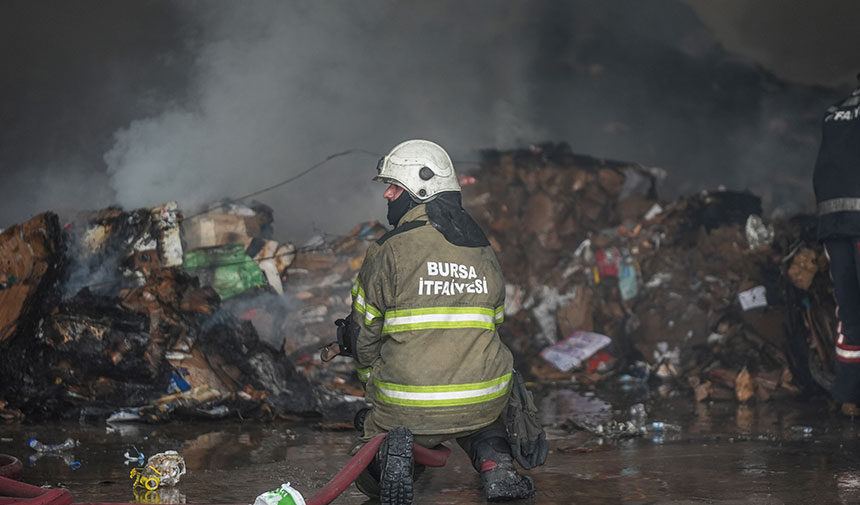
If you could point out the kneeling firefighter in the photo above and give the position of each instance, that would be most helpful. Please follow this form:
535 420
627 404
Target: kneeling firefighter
422 331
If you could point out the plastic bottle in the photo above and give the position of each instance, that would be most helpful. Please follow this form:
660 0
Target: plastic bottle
802 430
40 447
661 427
638 414
66 457
139 458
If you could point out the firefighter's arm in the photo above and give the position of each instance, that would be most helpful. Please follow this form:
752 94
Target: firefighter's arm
499 298
371 295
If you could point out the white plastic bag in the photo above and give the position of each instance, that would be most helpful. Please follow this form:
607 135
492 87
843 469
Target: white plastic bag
169 465
285 495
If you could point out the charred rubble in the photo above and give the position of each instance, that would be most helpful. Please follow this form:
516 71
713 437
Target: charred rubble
147 315
115 317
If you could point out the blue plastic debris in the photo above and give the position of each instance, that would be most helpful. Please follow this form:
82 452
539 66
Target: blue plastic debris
139 458
177 384
628 278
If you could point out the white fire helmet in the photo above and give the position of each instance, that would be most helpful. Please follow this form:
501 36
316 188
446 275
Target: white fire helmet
420 167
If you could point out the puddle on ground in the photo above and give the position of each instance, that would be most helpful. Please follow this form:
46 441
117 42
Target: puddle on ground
791 452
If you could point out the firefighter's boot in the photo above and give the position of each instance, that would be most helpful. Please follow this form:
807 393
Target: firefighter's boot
492 458
388 477
395 485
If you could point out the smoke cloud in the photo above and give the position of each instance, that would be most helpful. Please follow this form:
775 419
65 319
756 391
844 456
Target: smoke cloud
233 96
280 86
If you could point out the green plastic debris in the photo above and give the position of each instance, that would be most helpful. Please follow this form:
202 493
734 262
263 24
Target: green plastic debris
285 495
226 268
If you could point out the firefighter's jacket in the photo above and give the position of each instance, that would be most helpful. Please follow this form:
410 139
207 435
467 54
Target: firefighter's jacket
427 348
835 179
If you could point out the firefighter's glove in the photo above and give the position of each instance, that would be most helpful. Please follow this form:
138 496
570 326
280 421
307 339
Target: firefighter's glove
344 337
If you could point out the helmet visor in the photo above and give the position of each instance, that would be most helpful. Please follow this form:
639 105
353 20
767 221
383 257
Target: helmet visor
383 178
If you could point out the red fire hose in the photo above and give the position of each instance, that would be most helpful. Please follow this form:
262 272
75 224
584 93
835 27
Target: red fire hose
10 467
18 493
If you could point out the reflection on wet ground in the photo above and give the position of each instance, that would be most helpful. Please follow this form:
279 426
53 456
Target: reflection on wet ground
725 454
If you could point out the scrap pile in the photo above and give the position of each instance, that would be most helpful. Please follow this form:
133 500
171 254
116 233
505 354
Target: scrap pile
605 278
224 241
32 260
318 292
102 319
230 248
145 315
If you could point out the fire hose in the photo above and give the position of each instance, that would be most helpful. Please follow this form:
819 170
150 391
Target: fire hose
10 467
15 493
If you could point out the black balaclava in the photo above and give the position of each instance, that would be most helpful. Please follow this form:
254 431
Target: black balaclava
446 214
399 207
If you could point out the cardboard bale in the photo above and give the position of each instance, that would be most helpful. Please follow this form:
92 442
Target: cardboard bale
209 230
31 263
227 223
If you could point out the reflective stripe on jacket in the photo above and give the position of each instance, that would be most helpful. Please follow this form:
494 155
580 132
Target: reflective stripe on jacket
835 181
427 348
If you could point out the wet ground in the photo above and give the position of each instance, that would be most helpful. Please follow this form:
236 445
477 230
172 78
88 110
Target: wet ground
770 453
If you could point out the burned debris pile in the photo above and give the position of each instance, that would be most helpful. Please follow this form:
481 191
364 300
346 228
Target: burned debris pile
116 317
607 282
31 263
147 315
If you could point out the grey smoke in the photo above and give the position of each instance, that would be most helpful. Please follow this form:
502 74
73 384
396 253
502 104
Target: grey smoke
280 86
141 103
